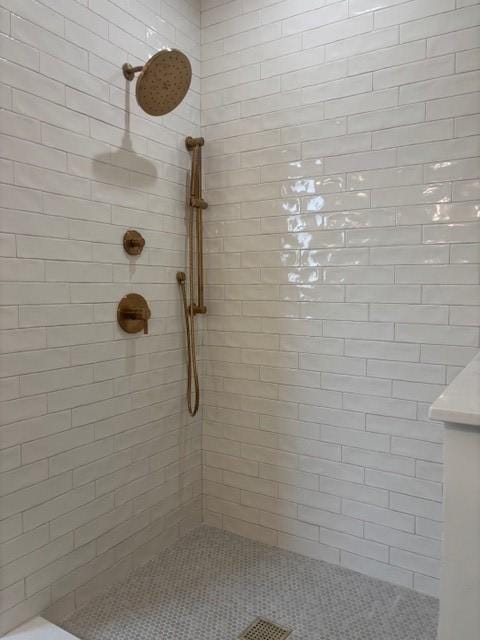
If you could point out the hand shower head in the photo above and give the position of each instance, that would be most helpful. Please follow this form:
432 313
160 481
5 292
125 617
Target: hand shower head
163 81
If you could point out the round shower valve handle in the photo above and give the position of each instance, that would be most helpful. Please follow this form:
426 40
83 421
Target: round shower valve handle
133 313
133 242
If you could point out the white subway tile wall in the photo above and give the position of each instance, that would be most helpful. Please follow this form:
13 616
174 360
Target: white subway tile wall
342 255
343 270
101 467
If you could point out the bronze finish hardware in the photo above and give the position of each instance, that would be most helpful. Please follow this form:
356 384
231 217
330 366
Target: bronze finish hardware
129 71
190 142
133 242
193 304
198 203
163 81
133 313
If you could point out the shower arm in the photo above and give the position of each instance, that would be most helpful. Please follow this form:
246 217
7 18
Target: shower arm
129 71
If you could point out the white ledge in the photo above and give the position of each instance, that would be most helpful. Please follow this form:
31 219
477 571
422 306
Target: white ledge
39 629
460 402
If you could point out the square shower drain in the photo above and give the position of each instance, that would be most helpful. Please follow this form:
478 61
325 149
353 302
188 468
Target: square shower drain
262 629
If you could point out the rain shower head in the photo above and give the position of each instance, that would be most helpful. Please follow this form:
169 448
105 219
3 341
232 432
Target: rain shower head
163 81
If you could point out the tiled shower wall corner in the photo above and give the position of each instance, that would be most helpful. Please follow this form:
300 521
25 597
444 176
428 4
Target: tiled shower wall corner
101 467
342 270
342 283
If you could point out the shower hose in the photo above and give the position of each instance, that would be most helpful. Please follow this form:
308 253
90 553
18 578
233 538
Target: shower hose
193 303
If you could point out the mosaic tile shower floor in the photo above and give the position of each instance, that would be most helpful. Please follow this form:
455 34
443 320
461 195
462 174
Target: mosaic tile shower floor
212 584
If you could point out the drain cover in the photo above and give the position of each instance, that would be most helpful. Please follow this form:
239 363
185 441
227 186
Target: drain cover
262 629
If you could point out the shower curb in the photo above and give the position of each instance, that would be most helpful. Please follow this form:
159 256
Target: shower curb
38 629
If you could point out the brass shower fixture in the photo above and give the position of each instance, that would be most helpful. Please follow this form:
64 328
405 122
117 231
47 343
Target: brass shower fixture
193 304
163 81
191 143
133 313
133 242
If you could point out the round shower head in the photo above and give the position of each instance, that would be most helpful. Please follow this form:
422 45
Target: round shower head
163 81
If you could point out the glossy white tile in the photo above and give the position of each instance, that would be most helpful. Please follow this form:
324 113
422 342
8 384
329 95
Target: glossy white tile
341 269
372 135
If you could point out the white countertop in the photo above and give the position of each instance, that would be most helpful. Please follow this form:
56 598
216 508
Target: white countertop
460 402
